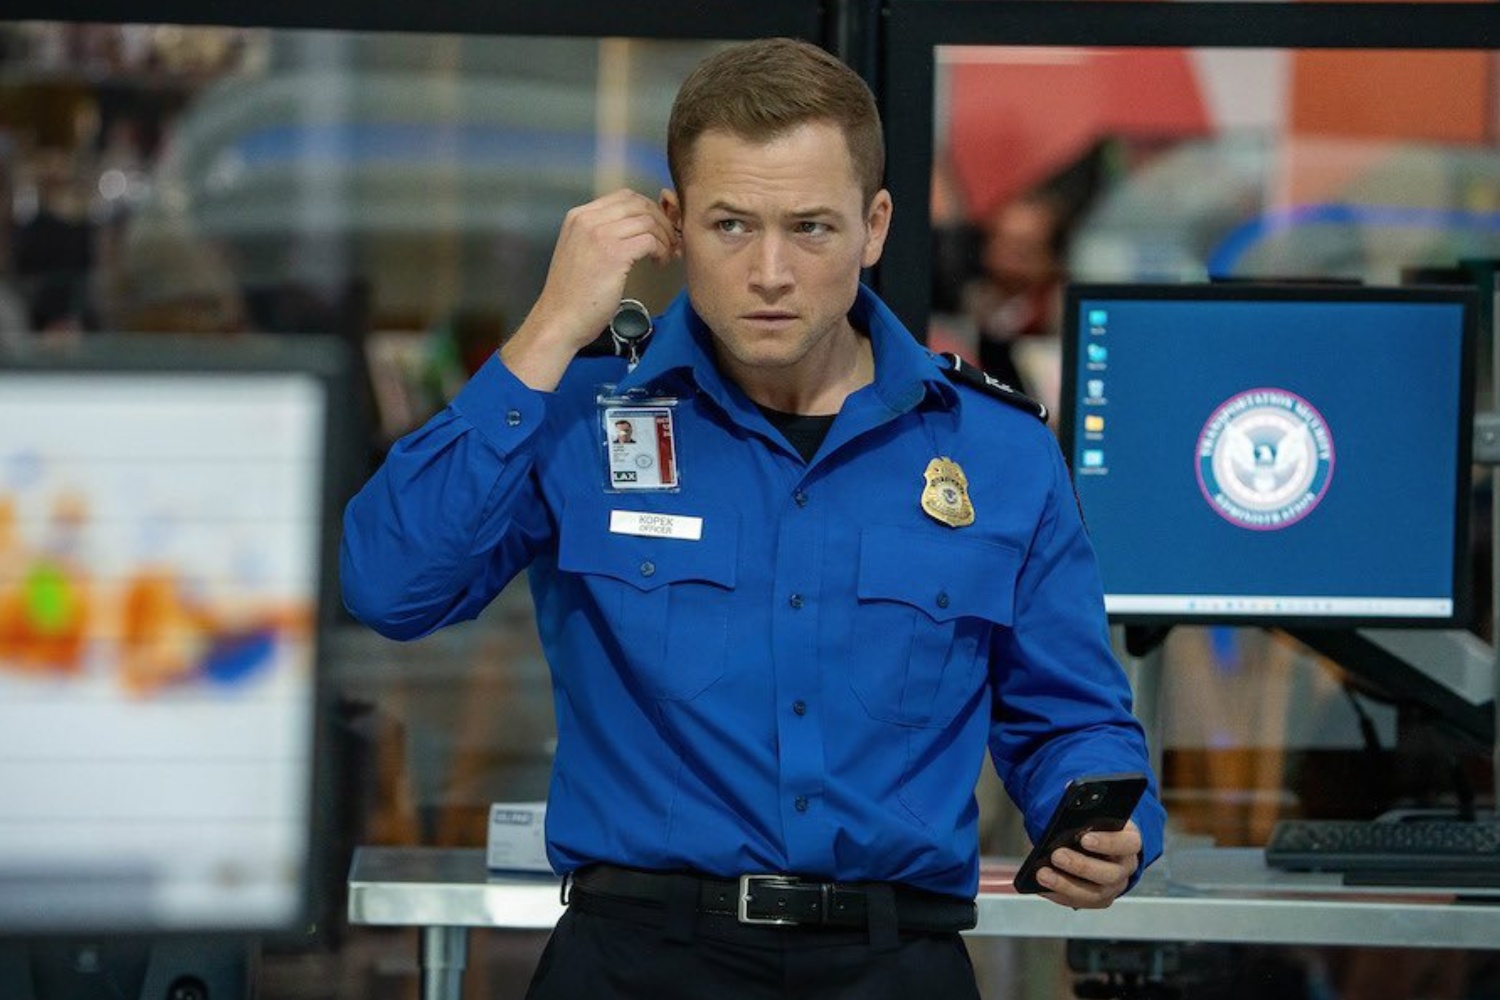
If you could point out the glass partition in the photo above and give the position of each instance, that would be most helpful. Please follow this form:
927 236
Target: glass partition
1040 144
399 189
1035 145
1145 164
403 190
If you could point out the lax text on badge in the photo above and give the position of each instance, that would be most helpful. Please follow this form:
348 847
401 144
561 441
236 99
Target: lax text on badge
640 446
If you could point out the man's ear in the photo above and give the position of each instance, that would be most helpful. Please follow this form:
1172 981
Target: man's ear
672 206
877 227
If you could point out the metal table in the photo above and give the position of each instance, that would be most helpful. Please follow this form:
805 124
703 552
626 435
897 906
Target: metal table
1198 895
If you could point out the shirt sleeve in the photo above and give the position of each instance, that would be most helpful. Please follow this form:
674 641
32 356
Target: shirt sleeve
451 515
1062 701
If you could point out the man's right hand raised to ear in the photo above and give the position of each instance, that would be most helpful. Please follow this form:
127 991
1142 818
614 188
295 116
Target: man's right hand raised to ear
598 245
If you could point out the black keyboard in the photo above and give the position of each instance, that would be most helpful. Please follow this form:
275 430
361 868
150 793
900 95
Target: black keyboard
1429 850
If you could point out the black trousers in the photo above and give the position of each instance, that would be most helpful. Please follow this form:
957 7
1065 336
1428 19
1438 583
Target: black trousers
608 949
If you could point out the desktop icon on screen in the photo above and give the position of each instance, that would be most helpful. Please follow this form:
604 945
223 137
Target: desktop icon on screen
1093 423
1098 319
1093 458
1096 388
1098 354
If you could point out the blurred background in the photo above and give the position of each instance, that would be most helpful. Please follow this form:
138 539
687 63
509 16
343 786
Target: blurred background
402 192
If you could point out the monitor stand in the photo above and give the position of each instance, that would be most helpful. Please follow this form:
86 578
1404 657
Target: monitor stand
175 969
1143 640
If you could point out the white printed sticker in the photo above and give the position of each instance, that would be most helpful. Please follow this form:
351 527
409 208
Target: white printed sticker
648 525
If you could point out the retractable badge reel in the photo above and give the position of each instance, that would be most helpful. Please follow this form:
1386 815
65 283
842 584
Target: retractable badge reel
629 329
639 439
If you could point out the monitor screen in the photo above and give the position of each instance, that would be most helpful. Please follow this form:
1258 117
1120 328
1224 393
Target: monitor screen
1289 455
162 552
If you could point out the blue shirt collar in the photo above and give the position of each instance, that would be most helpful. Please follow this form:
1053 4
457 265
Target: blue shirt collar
681 358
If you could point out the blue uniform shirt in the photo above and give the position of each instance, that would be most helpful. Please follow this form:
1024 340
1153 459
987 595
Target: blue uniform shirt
810 686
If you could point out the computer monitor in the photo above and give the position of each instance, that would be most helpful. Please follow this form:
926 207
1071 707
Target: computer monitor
1288 455
165 561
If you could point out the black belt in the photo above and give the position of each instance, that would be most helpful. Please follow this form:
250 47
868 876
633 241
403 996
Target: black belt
783 900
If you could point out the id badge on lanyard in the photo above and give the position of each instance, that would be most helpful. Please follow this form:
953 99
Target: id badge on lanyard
639 442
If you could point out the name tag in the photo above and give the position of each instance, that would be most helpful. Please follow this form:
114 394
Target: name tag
639 522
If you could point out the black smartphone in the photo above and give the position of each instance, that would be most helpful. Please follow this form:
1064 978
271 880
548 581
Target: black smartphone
1096 802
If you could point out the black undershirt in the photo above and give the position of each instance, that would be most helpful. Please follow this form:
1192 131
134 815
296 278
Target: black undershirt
804 433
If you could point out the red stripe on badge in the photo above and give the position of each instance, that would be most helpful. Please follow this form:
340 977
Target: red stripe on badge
664 448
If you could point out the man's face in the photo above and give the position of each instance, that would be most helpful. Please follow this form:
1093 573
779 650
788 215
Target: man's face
1018 253
773 237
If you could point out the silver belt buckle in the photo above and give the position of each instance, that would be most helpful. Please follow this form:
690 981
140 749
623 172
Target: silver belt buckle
770 881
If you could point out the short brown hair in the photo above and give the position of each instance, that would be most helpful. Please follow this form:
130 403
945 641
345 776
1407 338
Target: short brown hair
762 89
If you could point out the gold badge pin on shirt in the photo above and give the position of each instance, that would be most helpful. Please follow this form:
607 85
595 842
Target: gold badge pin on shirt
945 498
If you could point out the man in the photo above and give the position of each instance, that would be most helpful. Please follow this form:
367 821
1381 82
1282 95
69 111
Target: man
782 648
1016 304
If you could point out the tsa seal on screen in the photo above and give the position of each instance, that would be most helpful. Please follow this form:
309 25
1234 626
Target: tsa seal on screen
1265 459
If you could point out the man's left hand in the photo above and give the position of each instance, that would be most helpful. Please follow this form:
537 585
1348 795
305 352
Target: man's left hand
1091 881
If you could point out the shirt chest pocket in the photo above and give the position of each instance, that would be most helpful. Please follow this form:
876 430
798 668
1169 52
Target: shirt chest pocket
924 620
665 601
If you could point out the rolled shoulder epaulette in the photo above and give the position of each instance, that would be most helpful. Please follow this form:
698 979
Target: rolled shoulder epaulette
961 371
